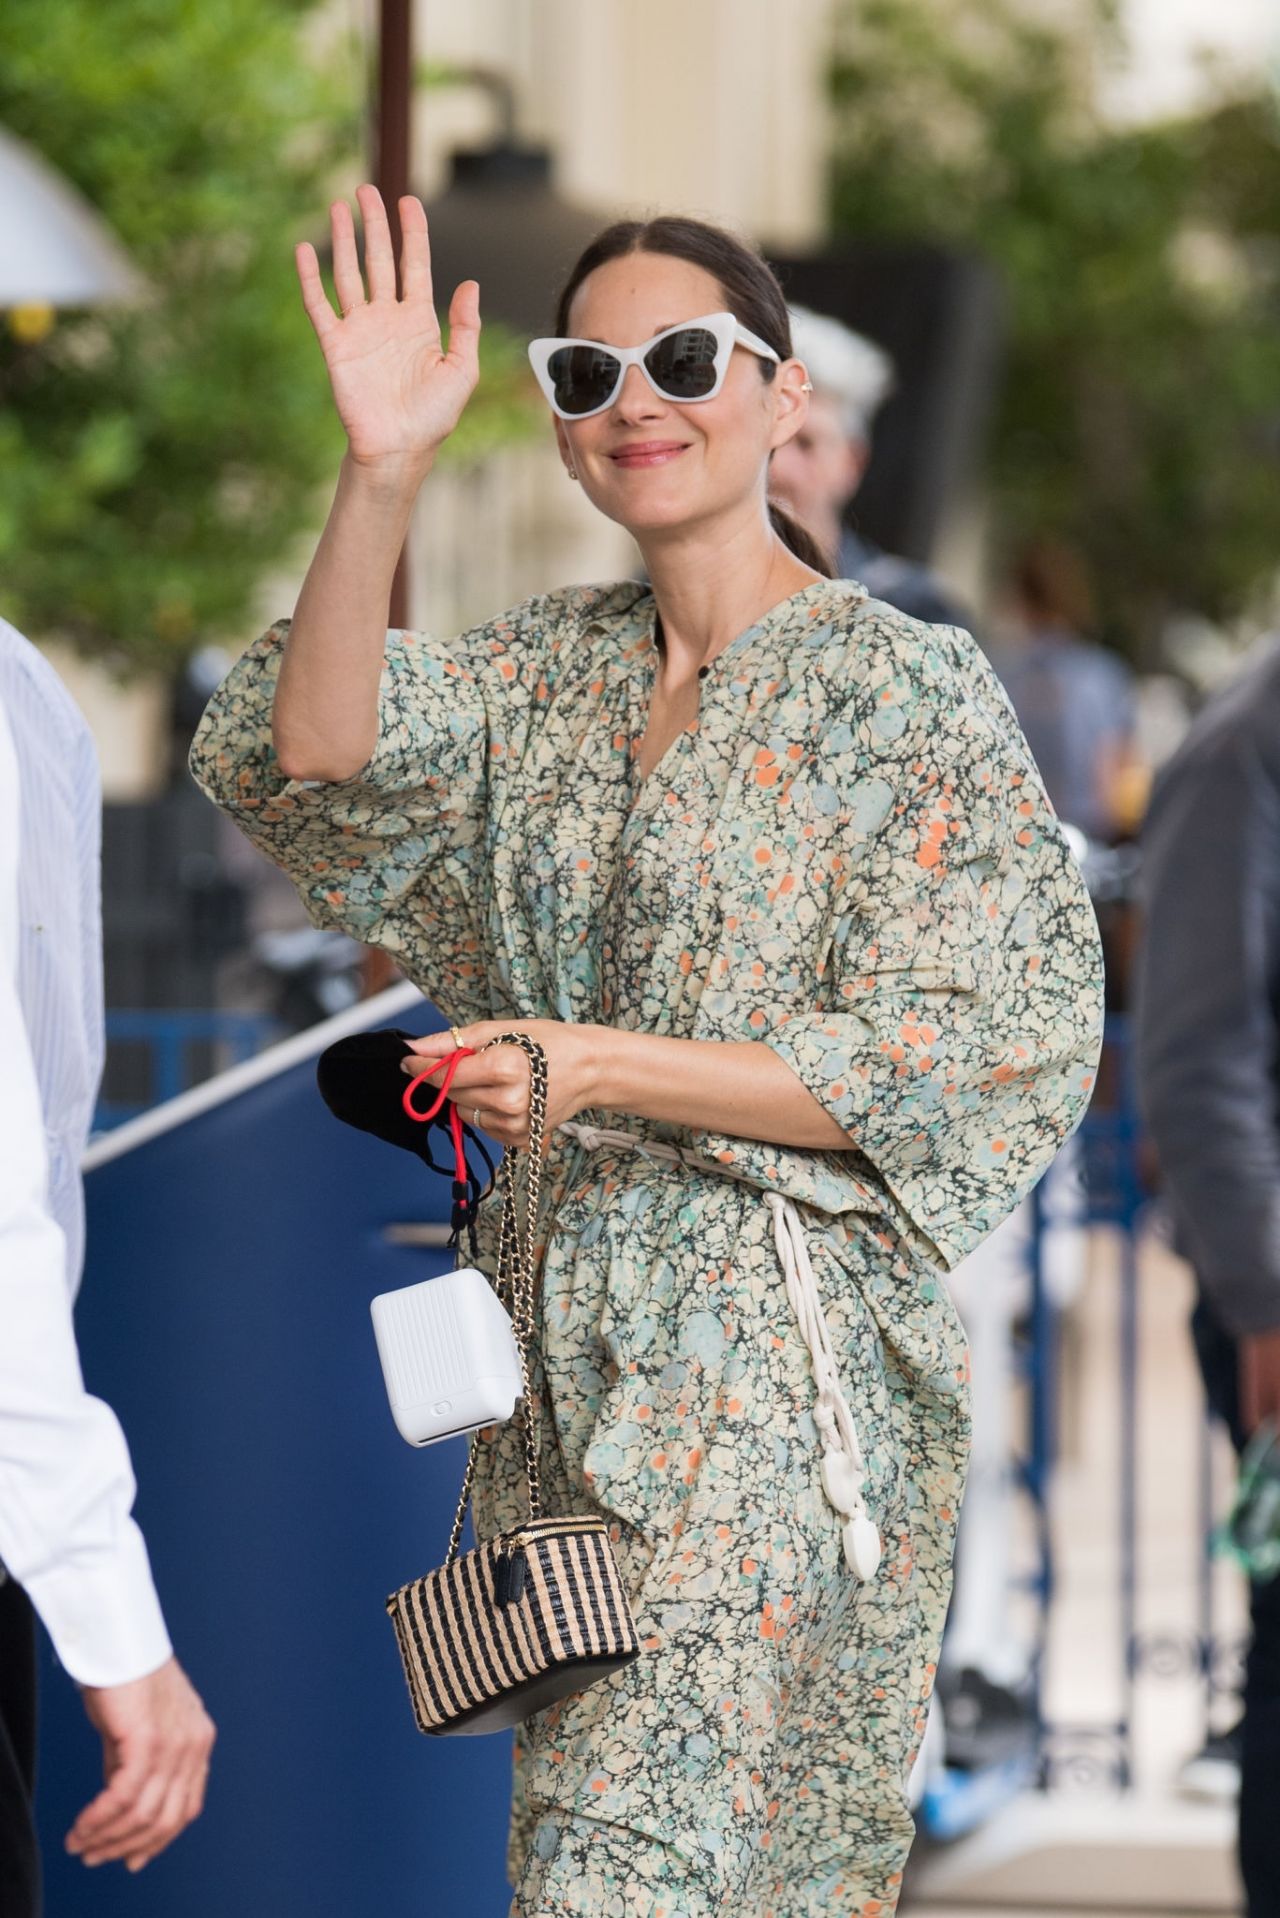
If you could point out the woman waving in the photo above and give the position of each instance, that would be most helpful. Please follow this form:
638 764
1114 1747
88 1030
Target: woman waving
767 870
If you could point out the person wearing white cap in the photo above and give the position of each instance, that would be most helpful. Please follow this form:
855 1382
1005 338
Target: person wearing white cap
819 470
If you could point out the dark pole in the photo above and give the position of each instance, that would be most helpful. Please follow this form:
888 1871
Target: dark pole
391 173
392 134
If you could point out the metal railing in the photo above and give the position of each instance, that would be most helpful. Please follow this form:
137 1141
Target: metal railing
168 1041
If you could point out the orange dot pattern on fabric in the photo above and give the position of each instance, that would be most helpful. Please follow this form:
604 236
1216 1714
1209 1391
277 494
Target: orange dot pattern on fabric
849 859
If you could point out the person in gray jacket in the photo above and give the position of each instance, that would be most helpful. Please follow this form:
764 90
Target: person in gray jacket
1208 1053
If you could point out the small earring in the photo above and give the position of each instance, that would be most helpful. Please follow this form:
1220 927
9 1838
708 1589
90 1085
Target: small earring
807 387
572 471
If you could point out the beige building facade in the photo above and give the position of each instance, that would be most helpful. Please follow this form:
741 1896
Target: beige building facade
712 107
707 107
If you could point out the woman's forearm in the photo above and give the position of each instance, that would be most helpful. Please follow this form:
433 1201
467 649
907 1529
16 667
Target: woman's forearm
325 719
739 1087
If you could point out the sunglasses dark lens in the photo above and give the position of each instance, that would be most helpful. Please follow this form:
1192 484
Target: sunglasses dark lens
684 363
583 377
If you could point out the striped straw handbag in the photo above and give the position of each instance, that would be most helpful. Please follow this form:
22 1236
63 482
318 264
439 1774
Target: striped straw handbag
499 1632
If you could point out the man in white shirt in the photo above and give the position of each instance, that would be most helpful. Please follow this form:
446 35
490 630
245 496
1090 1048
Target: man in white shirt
68 1544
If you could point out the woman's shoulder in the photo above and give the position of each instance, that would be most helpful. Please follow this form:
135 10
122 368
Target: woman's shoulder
566 611
913 691
887 655
882 633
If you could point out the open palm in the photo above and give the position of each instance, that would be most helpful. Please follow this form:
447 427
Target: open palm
397 393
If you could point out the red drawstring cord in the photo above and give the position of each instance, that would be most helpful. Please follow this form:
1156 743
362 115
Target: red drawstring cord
452 1061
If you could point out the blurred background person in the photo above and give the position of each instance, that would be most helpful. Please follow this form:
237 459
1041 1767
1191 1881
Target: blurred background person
817 474
1076 702
71 1550
1075 699
1208 1046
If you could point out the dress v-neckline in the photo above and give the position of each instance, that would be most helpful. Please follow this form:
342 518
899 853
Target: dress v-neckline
640 780
707 675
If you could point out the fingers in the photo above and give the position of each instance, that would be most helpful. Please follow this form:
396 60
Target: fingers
144 1808
494 1086
464 329
182 1805
127 1805
379 258
346 266
415 250
314 298
157 1738
499 1090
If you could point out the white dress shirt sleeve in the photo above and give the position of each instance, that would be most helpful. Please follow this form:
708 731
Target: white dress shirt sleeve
66 1483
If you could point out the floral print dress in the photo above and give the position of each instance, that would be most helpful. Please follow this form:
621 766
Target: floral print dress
848 857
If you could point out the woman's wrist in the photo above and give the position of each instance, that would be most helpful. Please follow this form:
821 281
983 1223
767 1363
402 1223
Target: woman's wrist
597 1067
608 1061
391 483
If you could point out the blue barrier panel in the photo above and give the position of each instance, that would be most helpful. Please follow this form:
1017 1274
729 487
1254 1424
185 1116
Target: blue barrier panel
234 1245
167 1035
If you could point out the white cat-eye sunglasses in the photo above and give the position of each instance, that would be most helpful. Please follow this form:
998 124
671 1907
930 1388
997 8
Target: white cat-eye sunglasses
684 363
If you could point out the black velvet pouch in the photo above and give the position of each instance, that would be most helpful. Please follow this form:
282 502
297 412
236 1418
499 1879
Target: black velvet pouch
361 1083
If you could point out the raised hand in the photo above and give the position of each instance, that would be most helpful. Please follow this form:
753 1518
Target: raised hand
398 394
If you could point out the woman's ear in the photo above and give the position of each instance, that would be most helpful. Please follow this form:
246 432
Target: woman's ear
791 391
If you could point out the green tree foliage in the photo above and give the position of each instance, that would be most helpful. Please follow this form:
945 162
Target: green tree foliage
1140 417
156 461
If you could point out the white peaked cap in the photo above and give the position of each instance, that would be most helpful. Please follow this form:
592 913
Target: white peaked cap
843 364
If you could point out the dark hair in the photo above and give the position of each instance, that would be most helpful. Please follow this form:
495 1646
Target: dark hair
751 292
1052 581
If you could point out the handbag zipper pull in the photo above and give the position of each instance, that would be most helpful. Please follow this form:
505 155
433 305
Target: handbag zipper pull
508 1577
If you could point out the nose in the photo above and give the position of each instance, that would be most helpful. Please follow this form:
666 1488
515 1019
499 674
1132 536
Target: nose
636 398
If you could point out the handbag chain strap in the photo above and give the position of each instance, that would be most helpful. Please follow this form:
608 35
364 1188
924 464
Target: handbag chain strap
515 1273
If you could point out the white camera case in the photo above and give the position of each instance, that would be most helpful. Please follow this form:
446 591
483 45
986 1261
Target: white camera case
449 1355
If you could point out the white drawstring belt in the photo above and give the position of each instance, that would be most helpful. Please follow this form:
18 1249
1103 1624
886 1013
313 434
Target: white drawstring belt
843 1465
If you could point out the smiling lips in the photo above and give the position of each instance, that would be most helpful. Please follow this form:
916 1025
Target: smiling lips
649 453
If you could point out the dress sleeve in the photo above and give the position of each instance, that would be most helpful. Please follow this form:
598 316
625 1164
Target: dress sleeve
393 855
957 983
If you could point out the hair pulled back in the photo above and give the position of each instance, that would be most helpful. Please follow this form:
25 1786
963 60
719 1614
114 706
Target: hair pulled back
751 293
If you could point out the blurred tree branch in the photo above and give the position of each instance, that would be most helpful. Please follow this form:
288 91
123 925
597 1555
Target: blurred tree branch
156 461
1141 414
